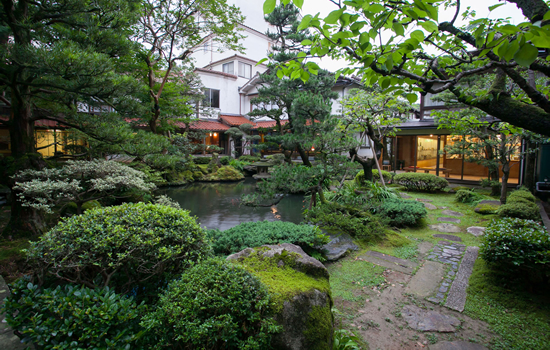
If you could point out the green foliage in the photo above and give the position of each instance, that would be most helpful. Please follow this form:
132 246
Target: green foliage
225 173
249 158
521 196
201 160
225 160
347 195
517 244
345 340
238 164
214 305
167 201
256 234
486 209
522 210
359 224
71 209
420 182
378 192
73 317
276 159
400 212
468 196
131 247
360 177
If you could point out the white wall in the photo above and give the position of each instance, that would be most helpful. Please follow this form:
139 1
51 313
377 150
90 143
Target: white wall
254 13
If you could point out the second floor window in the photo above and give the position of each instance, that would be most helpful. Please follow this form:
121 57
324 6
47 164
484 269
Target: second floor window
212 98
229 68
245 70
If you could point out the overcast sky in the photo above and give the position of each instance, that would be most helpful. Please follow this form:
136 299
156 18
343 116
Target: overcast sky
324 7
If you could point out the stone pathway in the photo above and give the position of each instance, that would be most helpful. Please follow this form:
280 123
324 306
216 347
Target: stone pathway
451 213
476 230
453 220
456 345
448 237
457 295
447 253
445 227
430 206
391 262
428 320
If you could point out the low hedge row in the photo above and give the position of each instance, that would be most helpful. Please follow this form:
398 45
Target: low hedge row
520 204
420 182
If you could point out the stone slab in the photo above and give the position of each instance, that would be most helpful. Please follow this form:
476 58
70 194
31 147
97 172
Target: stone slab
448 237
447 228
386 264
428 320
8 340
424 200
451 213
430 206
457 295
453 220
476 230
392 259
426 280
404 196
456 345
424 247
338 246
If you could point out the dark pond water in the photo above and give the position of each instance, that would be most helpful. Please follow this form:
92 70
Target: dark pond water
217 204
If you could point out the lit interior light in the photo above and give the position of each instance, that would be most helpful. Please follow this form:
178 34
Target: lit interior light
313 148
215 134
210 134
431 135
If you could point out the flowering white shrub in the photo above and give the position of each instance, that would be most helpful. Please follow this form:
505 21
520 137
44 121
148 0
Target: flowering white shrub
77 181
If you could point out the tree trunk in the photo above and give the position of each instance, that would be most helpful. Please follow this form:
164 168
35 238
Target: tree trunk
303 155
505 176
530 161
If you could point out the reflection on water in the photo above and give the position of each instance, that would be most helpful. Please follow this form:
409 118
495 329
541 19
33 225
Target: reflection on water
217 205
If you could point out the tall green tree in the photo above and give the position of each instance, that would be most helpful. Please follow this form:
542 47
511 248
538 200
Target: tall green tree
170 30
59 58
277 95
404 46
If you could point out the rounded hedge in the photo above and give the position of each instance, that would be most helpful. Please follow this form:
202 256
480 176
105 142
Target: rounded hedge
360 177
420 182
401 213
521 196
214 305
73 317
517 244
256 234
520 209
131 248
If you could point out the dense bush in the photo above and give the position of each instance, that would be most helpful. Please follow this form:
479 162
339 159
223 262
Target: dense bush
249 159
256 234
214 305
71 317
201 160
486 209
347 195
517 244
225 173
468 196
360 177
123 247
225 160
420 182
521 196
401 213
276 159
237 164
521 210
348 219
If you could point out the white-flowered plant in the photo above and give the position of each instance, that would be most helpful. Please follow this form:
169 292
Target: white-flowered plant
77 181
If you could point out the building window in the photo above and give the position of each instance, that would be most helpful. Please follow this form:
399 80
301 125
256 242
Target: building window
212 98
205 46
229 68
245 70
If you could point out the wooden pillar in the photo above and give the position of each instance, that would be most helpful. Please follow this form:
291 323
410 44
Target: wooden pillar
437 155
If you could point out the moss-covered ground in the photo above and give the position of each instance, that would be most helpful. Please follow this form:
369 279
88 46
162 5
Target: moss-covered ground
516 315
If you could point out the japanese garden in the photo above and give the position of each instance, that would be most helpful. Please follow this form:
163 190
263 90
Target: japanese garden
275 174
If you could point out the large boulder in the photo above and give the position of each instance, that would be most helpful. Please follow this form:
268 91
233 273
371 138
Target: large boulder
225 173
300 288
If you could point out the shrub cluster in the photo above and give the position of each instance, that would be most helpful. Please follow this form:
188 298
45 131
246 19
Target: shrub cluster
420 182
122 247
201 160
520 204
360 177
71 317
214 305
249 159
256 234
468 196
400 212
517 245
276 159
225 160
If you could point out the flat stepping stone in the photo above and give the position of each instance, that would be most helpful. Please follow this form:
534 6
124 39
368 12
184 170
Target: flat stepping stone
338 246
451 213
424 200
430 206
457 295
404 196
428 320
426 280
389 262
447 228
476 230
454 220
424 247
449 237
456 345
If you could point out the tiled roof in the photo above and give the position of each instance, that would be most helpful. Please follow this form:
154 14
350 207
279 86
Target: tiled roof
235 120
205 125
268 124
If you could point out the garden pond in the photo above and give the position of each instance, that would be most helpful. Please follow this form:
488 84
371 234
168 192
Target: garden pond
218 206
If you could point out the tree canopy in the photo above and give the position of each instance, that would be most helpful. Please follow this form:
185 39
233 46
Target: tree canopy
404 47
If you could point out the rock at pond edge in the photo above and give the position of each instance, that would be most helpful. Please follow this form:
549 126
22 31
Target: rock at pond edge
301 290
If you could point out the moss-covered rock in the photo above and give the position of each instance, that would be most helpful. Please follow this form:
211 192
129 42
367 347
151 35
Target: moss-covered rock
300 291
197 175
486 208
225 173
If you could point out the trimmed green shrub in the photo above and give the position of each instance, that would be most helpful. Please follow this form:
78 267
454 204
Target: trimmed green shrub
343 218
521 210
360 177
130 248
468 196
517 244
256 234
214 305
225 173
70 208
225 160
486 209
400 212
420 182
73 317
201 160
521 196
249 159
